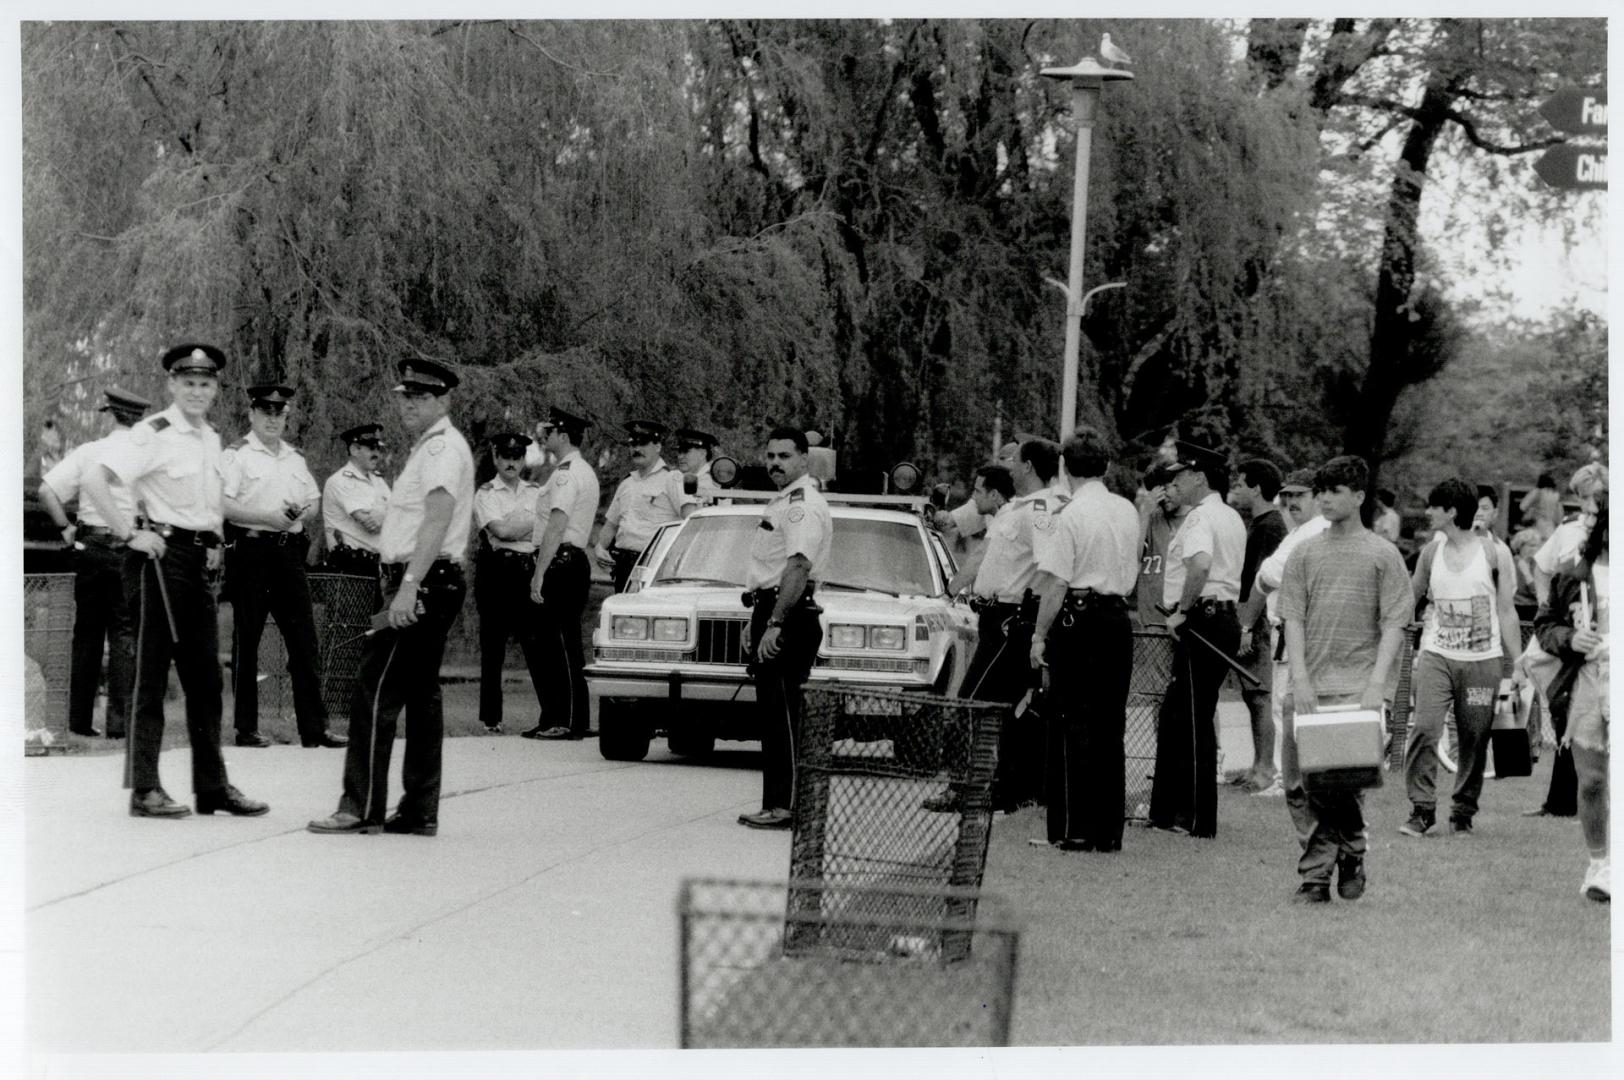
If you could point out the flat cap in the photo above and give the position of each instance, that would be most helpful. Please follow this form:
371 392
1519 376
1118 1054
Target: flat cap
365 434
567 421
425 377
693 439
639 432
194 360
122 401
1298 480
1192 455
270 394
509 444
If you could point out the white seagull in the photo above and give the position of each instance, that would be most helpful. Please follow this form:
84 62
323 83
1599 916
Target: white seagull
1110 52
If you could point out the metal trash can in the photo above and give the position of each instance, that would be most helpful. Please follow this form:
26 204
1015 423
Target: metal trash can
867 763
1152 670
873 967
48 616
342 606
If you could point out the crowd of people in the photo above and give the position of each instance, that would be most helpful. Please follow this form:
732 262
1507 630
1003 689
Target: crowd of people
1284 580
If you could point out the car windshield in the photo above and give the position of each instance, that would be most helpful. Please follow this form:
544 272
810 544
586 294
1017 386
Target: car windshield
885 556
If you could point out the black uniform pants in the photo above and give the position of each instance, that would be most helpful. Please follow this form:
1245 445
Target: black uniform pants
561 673
263 578
1562 796
196 654
778 691
1184 792
1090 656
1001 670
100 614
502 595
400 668
621 571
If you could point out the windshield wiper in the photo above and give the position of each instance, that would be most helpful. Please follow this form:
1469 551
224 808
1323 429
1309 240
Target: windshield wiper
695 581
855 588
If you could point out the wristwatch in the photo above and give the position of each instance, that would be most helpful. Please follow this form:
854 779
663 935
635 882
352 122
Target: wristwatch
774 622
408 578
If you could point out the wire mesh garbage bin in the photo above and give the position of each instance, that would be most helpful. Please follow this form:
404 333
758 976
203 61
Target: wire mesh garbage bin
1152 670
48 615
872 969
870 764
342 606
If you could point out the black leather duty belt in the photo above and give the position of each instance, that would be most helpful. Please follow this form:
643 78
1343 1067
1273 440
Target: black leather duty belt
768 595
392 573
238 535
176 534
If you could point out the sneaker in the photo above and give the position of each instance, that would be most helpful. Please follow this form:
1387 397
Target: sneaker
1312 892
1274 791
1460 826
1418 824
1350 877
1598 884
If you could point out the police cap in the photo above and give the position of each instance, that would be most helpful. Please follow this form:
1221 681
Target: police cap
693 439
365 434
425 377
270 397
124 403
509 444
1192 455
641 432
567 422
194 360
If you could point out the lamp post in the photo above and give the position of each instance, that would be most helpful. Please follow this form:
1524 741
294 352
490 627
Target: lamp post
1086 77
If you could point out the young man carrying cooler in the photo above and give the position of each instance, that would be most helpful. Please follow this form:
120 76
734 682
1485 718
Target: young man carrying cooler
1344 600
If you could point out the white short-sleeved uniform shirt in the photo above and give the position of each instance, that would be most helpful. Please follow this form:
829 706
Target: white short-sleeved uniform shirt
346 491
1214 527
496 500
67 476
1094 543
706 489
262 479
1560 548
1008 563
171 466
645 501
573 488
795 522
440 460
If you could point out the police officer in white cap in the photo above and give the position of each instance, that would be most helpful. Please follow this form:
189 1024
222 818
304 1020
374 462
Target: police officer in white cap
651 495
353 502
505 515
170 462
270 498
421 546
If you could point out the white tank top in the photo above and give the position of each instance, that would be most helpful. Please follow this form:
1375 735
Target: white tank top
1462 620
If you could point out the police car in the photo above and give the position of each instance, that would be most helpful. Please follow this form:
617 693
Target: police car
669 654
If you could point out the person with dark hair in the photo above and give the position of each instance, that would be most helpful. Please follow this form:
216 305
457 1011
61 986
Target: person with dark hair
1345 601
651 495
1487 518
1256 485
353 502
1575 625
505 526
565 512
1201 588
965 528
420 548
1387 524
1086 561
1160 515
788 554
1542 507
1470 632
169 462
99 611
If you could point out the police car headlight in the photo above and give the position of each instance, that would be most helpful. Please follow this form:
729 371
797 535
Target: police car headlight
670 629
887 637
629 628
847 637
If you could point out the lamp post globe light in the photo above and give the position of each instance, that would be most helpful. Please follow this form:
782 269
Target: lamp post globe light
1086 76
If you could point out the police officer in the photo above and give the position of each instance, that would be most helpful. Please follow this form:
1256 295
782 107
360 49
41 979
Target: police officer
650 496
269 498
505 515
170 463
1087 562
565 511
694 451
421 546
352 504
1200 587
98 582
789 553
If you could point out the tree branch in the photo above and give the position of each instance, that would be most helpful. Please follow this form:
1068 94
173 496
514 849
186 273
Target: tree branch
1469 126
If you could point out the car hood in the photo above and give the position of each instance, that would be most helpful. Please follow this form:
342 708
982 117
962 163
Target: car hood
708 598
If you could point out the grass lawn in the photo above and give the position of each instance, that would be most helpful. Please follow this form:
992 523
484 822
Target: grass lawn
1175 941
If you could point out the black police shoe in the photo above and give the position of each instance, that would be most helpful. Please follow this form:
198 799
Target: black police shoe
1312 892
327 738
231 801
342 822
252 738
397 824
155 802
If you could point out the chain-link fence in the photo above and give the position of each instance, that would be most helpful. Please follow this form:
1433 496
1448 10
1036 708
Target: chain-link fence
1152 670
868 967
893 788
343 606
48 613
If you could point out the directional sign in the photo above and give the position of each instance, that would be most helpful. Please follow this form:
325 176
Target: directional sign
1578 168
1582 112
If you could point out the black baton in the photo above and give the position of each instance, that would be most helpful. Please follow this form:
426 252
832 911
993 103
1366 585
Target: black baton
1234 665
163 589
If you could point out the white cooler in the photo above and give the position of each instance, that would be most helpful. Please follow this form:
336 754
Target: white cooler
1340 748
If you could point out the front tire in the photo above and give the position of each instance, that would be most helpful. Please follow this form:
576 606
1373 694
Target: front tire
622 734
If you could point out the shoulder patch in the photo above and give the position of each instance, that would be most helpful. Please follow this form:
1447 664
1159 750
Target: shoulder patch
159 422
796 513
437 446
798 495
561 478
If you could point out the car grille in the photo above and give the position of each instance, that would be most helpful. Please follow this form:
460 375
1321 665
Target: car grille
855 663
721 641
